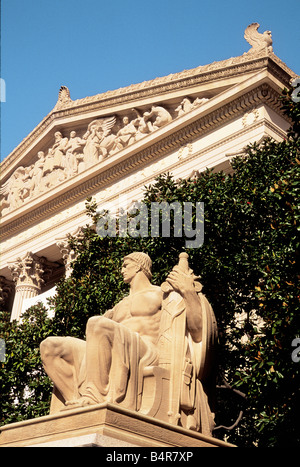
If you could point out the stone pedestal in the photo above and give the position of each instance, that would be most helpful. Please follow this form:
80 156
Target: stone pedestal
102 425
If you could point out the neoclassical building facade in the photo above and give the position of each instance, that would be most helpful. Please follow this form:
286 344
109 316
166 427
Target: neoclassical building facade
109 146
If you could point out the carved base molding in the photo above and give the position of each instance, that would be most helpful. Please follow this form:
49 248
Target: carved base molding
103 425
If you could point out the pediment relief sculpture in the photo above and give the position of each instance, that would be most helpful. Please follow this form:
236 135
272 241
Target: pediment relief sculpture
73 153
152 353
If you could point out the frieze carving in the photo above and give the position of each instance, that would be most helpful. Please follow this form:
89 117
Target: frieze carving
72 154
185 151
250 117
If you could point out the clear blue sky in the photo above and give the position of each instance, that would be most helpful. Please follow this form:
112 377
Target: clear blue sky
92 46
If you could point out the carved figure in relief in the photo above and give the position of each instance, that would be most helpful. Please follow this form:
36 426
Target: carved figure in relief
99 140
59 150
36 172
125 135
27 183
157 117
73 149
142 126
69 156
49 161
11 190
186 105
55 162
151 353
257 40
91 148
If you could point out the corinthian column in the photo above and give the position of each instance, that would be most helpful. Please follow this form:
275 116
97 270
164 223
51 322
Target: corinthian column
27 274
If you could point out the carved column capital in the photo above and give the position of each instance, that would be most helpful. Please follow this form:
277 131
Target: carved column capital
28 270
67 253
29 274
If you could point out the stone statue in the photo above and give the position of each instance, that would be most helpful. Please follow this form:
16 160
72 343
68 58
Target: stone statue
256 40
152 353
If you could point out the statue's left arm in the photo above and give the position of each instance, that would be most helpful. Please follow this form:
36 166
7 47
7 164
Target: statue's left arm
184 285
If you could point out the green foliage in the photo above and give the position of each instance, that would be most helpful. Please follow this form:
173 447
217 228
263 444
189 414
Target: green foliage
248 266
25 390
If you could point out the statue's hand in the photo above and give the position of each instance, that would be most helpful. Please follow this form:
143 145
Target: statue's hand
181 282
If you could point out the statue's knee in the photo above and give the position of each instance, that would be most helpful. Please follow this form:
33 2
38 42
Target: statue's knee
99 325
49 347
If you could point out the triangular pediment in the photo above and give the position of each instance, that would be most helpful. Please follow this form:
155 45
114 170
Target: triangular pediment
94 138
203 82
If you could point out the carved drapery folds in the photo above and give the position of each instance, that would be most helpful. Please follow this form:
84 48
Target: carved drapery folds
72 153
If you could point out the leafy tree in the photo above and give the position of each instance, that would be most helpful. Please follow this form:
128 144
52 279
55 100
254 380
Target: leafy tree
248 266
25 390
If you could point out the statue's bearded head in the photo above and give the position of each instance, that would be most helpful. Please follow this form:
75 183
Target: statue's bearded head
143 260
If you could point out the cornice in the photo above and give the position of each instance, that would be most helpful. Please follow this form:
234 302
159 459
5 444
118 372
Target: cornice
158 87
137 156
230 67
